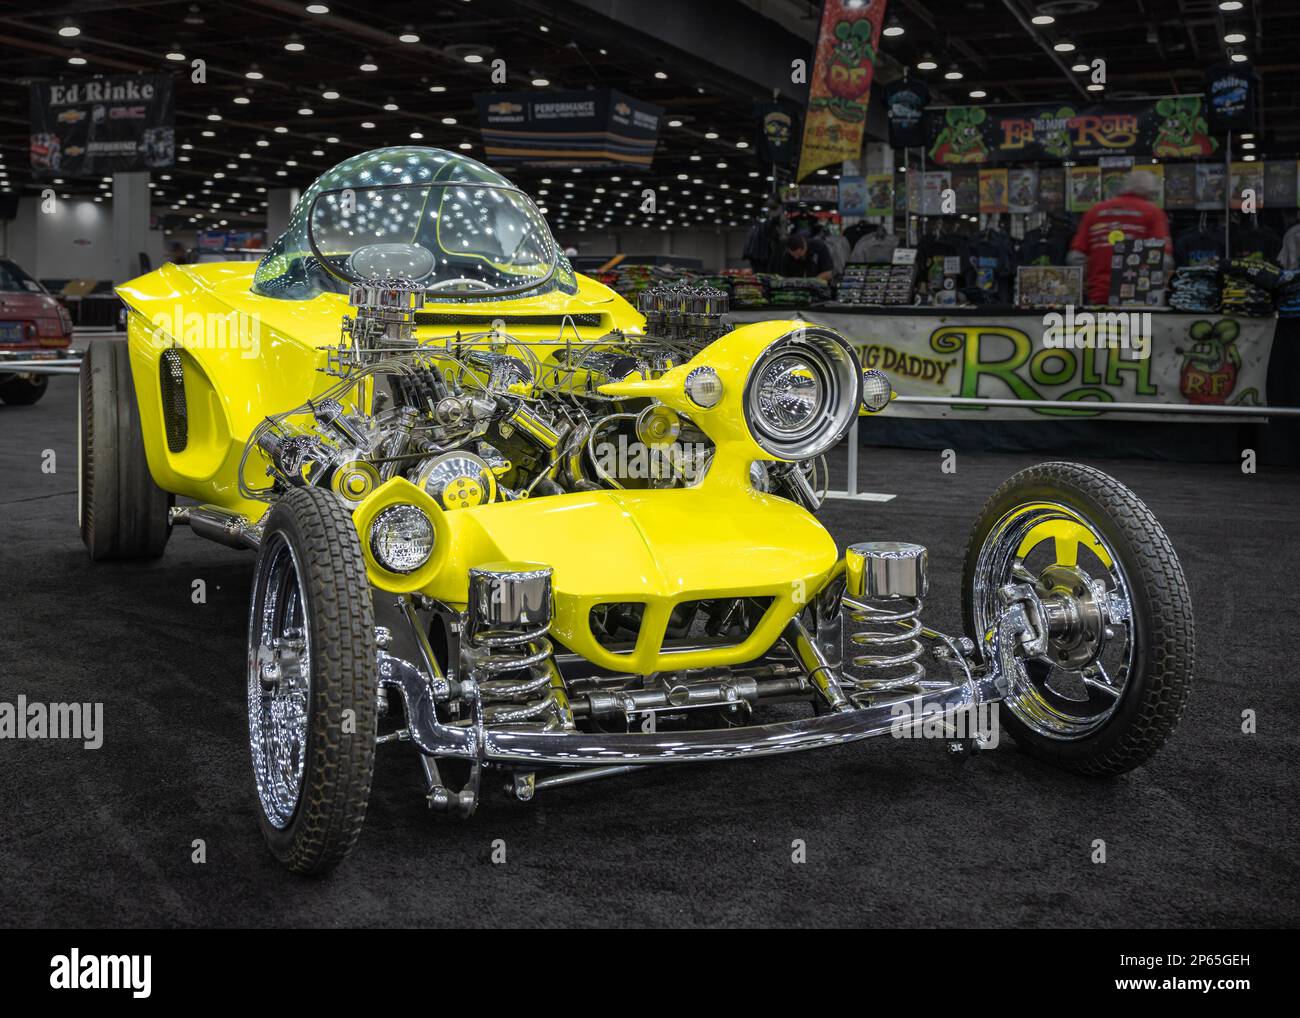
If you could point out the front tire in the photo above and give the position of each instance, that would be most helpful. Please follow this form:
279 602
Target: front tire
21 390
312 715
123 514
1112 685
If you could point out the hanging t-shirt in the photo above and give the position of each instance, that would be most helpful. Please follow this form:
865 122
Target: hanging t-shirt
987 258
905 102
1230 98
1043 247
1198 247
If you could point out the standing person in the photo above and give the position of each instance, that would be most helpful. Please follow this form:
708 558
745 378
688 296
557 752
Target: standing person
1130 215
807 257
766 240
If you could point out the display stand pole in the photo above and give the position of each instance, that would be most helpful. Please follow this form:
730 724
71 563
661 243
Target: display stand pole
851 483
1227 199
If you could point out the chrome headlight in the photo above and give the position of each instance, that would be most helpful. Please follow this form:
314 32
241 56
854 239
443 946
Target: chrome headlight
401 538
876 390
802 394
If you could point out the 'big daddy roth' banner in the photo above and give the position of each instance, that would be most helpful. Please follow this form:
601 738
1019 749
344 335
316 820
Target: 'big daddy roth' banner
841 83
1173 127
1193 359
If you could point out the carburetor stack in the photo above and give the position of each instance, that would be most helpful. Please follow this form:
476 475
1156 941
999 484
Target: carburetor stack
684 313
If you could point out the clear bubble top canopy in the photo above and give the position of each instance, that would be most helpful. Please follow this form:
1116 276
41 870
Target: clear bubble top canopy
444 223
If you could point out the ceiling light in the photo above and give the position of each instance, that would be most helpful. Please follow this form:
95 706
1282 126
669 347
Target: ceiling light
1064 47
294 45
540 82
78 61
390 106
892 27
661 75
408 35
68 30
711 135
281 129
1232 38
262 143
953 74
1042 19
1094 86
368 63
329 94
317 9
465 145
437 88
415 136
1247 137
978 93
368 124
306 111
1239 58
543 28
1080 65
674 123
331 140
241 100
214 116
1248 145
253 73
449 120
473 58
175 53
926 63
1230 5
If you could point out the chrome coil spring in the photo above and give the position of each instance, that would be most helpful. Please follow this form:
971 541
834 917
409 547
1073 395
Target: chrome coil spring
514 698
890 629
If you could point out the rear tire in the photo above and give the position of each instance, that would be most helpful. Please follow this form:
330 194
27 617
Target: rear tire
20 391
312 682
123 514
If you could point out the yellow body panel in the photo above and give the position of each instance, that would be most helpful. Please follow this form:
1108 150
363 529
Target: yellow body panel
720 538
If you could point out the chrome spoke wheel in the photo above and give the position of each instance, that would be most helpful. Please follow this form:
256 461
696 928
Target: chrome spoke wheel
279 681
1074 683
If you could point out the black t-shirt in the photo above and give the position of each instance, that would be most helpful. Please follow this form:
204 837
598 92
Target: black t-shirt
1198 247
816 260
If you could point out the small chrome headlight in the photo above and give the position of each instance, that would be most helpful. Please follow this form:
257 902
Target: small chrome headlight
803 393
704 387
401 538
876 390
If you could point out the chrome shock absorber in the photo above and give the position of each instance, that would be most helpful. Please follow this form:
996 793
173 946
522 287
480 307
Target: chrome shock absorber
885 582
506 648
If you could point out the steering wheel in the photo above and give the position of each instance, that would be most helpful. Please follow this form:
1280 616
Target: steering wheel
443 284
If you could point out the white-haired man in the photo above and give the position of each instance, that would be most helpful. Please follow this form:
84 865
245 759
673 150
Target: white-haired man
1130 215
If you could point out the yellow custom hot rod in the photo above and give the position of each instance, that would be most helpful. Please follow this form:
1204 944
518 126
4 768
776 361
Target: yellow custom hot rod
542 536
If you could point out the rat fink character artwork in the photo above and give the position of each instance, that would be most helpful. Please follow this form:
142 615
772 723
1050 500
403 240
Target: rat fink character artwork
961 140
1210 367
848 75
1183 132
1056 141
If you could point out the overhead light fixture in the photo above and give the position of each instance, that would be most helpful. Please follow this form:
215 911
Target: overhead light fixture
711 135
1247 159
368 63
281 129
415 136
1247 136
473 58
253 74
68 30
661 75
408 35
329 93
368 125
1234 38
437 88
1064 46
926 63
241 100
1094 86
953 74
390 106
448 120
674 123
893 27
540 82
175 53
466 146
317 9
294 45
978 93
1239 58
305 111
742 144
1080 65
1230 5
1248 145
1042 19
214 116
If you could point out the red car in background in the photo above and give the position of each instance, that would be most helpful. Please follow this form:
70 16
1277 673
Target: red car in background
34 325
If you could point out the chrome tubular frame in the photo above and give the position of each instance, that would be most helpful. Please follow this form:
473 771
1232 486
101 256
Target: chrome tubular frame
523 747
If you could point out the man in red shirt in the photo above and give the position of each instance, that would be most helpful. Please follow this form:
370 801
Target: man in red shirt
1130 215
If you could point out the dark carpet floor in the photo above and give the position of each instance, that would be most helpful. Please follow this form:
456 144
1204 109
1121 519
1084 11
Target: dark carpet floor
895 833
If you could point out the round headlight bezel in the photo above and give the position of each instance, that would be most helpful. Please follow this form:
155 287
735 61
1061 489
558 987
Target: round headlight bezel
703 387
838 377
401 514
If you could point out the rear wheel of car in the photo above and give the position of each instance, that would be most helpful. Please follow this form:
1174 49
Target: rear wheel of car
312 674
24 390
123 514
1111 683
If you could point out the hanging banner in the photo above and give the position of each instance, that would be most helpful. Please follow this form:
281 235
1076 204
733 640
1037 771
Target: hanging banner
880 194
596 127
1230 98
841 83
94 126
1172 127
853 196
1193 359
